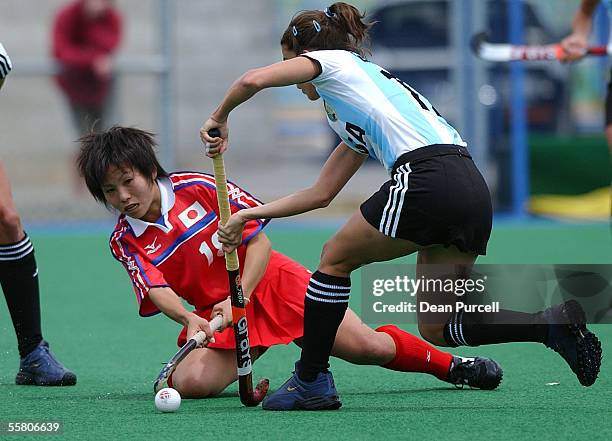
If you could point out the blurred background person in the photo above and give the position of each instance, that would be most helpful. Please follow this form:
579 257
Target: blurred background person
596 203
575 46
86 34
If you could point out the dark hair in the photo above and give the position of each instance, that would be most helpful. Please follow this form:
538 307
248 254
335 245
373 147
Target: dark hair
119 147
340 26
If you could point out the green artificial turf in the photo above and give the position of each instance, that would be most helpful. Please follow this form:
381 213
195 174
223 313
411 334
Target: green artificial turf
90 318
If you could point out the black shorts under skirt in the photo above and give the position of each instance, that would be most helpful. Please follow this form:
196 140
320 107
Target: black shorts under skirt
436 196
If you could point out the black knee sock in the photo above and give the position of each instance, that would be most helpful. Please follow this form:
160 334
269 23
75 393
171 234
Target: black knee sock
474 328
19 280
326 302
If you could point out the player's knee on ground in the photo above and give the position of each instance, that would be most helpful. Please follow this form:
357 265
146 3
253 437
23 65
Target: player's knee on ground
10 223
433 333
192 384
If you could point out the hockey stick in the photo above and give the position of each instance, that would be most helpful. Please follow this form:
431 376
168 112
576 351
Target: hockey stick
501 52
248 396
199 339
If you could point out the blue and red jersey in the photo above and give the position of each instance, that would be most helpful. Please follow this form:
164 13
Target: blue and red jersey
181 250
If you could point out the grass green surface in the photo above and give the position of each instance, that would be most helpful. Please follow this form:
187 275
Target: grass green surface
90 318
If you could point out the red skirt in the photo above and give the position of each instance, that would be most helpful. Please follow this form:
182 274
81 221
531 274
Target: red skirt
275 312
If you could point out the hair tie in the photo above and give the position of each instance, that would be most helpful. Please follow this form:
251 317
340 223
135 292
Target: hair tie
295 31
329 13
317 26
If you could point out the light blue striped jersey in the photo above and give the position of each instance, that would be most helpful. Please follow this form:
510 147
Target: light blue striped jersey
375 113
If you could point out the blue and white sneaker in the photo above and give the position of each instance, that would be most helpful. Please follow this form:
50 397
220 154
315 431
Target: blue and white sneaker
41 368
296 394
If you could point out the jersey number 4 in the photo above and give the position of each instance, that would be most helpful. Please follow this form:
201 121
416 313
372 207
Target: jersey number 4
358 133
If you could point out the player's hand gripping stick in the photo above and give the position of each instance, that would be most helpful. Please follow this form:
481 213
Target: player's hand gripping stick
248 396
198 340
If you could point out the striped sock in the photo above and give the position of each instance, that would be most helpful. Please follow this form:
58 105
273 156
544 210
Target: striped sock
326 302
19 280
15 251
453 331
475 328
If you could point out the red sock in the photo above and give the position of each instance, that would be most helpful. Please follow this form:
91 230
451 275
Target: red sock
415 355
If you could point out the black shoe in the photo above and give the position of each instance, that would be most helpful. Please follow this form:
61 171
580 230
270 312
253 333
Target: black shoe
570 338
480 373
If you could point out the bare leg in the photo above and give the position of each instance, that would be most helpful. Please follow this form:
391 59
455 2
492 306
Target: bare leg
359 243
462 263
359 344
609 138
389 347
19 280
207 372
11 230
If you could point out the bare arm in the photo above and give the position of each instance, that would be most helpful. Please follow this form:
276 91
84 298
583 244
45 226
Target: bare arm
255 265
256 261
170 304
339 168
576 43
342 164
294 71
583 20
